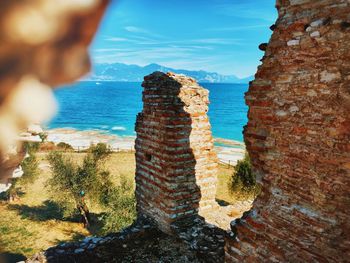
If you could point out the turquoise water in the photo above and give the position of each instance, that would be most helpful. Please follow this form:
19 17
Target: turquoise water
112 107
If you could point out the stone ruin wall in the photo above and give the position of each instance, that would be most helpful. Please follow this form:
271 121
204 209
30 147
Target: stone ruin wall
176 164
298 137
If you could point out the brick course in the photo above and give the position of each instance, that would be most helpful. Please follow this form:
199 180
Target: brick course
176 164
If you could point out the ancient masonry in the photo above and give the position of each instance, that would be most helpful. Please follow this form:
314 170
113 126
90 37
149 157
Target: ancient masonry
175 162
298 137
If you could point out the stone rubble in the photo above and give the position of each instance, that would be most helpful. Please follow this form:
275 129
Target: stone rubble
141 242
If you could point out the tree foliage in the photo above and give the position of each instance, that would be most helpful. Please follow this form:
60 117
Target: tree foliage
43 136
243 179
120 206
70 179
65 146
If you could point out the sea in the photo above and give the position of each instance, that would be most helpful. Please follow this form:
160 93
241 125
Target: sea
111 108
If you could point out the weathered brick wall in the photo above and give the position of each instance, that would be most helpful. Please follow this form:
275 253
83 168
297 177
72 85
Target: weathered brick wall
298 136
175 162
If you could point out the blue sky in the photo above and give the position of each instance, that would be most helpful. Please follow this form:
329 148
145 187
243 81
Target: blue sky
212 35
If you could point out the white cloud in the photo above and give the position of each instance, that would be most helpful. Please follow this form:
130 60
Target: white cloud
176 54
135 29
102 50
117 39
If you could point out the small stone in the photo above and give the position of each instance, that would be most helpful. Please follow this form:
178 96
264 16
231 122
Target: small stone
195 234
329 76
87 239
91 246
293 42
311 93
281 113
96 239
315 34
317 23
284 78
79 250
337 21
211 226
293 109
298 34
298 2
125 246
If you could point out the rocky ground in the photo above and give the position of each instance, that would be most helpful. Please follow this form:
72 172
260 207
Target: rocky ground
140 243
193 240
224 215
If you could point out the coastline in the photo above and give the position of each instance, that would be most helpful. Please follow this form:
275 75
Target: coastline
228 151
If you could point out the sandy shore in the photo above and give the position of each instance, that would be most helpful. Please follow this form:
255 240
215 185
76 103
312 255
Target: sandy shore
228 151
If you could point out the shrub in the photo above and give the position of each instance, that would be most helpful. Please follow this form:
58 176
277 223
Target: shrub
30 169
31 147
243 180
65 146
99 151
120 206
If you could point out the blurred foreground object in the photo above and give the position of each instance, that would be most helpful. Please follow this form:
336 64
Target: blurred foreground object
42 44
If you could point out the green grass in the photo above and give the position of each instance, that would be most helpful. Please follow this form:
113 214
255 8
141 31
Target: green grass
35 223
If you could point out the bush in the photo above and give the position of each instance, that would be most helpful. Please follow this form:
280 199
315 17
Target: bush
120 206
243 180
31 147
65 146
99 151
30 167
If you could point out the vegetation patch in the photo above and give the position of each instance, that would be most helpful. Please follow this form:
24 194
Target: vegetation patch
74 184
243 183
38 220
65 146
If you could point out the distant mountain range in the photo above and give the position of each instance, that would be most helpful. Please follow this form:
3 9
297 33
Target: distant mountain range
135 73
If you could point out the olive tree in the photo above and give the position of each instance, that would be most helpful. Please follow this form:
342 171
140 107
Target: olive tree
73 184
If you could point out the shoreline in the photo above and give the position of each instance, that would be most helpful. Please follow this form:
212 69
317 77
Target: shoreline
228 151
